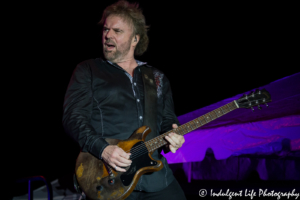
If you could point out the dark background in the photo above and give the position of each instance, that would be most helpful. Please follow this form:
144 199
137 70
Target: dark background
208 52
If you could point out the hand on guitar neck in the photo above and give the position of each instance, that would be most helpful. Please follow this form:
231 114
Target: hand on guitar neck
118 159
175 140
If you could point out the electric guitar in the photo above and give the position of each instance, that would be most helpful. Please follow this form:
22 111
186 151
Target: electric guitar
101 182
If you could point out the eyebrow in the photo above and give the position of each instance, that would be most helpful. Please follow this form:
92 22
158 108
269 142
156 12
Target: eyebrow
115 29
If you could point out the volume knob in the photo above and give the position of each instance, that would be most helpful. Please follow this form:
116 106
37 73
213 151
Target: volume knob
111 181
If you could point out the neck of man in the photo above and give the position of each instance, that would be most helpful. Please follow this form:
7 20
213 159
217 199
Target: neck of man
128 64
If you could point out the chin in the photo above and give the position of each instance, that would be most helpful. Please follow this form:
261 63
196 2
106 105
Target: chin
111 56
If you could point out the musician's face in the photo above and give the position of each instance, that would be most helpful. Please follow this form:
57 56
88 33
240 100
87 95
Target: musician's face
117 39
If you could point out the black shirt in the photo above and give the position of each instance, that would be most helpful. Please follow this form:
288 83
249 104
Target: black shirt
104 101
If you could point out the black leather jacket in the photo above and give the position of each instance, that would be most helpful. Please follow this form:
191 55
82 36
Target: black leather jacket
104 101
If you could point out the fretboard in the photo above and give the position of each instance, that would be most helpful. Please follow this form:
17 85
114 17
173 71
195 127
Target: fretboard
159 141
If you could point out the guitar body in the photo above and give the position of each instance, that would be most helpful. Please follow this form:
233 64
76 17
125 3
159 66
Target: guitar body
98 181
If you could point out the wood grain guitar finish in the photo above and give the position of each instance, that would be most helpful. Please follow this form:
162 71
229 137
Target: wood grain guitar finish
100 182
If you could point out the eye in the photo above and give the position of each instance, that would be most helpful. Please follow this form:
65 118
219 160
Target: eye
105 29
117 30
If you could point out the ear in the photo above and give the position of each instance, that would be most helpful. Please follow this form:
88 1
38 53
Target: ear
136 39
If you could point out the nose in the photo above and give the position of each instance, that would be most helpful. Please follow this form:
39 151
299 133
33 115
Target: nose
108 34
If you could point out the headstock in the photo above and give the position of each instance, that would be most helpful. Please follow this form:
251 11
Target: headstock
254 99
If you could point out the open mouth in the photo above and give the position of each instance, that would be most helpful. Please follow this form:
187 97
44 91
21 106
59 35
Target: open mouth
109 46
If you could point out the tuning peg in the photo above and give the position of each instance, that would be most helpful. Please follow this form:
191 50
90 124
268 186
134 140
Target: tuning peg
257 91
259 107
266 104
252 108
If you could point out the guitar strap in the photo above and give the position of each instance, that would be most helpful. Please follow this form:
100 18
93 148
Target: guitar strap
150 100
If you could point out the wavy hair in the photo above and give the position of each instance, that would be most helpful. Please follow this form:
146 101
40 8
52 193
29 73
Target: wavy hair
133 14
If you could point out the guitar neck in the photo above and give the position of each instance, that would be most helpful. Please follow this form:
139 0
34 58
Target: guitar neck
159 141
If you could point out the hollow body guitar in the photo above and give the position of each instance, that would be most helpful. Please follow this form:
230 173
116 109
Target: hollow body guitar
100 182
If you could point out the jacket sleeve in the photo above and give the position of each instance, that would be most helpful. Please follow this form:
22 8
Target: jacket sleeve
169 116
78 106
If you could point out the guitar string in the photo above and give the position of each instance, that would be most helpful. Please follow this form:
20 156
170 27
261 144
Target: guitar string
140 146
141 150
137 149
139 154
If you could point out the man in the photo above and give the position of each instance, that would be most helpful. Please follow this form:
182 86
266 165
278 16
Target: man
105 99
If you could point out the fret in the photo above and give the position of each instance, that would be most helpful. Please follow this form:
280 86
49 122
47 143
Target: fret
153 145
205 119
194 124
213 115
210 116
179 130
161 140
184 129
216 113
197 123
200 121
222 110
187 127
191 125
175 130
157 143
228 107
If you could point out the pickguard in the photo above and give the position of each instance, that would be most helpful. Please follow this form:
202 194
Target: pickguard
140 159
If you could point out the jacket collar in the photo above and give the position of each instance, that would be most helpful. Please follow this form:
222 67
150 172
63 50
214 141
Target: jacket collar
140 63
